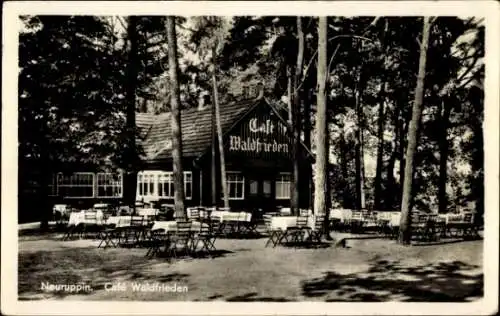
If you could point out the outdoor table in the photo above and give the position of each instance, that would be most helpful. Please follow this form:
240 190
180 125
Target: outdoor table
101 206
171 226
283 223
235 222
121 221
77 218
148 212
341 214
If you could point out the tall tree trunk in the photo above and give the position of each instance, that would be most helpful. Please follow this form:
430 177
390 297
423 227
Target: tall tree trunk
391 182
219 135
213 160
405 224
403 131
380 150
343 165
320 187
130 179
45 174
359 159
443 157
294 187
175 105
289 95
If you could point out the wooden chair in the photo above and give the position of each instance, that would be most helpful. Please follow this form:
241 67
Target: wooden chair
90 225
195 214
108 236
181 239
316 232
274 235
295 234
156 239
356 222
206 236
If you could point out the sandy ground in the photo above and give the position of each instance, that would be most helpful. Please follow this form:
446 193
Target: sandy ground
244 270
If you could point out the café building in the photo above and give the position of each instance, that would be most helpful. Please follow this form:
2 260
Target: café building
258 160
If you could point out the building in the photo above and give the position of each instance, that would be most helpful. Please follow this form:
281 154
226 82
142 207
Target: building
257 148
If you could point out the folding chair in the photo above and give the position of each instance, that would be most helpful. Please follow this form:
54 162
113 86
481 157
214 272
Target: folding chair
356 222
73 230
157 239
419 226
183 238
206 237
194 214
108 236
90 224
316 232
129 236
297 232
274 235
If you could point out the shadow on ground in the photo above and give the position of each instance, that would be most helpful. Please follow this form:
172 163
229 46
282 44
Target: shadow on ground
85 266
388 281
254 297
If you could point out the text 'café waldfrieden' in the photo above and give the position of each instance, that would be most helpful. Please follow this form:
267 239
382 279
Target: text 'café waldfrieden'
258 159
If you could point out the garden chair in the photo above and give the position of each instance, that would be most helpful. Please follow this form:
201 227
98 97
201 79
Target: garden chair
469 228
356 222
108 235
295 234
194 214
316 232
73 230
90 225
420 226
206 237
130 235
274 235
156 239
181 239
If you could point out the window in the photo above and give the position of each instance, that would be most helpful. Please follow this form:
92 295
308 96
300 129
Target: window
235 185
166 185
109 185
254 187
188 184
53 185
78 184
145 184
164 182
283 186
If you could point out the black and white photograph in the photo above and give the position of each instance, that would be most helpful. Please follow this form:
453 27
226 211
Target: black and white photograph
233 155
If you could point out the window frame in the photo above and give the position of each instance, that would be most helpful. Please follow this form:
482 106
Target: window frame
229 182
279 181
60 175
114 184
159 179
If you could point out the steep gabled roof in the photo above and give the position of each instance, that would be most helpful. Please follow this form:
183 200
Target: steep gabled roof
196 126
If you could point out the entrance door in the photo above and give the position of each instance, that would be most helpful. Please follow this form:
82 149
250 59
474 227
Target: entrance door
261 191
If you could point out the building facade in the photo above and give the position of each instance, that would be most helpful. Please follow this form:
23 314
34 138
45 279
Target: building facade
258 156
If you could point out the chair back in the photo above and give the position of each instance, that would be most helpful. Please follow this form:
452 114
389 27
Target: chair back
183 228
468 218
301 221
267 220
319 220
304 212
136 221
90 215
285 211
357 215
194 213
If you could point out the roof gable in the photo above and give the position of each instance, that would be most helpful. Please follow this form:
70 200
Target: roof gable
196 126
